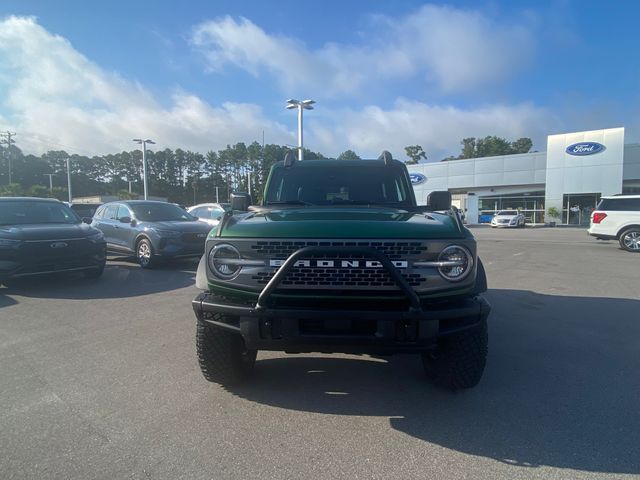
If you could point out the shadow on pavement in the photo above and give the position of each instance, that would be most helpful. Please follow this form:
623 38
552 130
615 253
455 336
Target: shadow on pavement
6 301
119 280
561 388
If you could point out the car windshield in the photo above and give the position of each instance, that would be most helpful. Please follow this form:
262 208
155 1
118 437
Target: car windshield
346 185
30 212
507 212
160 212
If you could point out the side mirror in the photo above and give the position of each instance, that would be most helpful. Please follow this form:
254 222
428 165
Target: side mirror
125 219
240 201
439 200
87 220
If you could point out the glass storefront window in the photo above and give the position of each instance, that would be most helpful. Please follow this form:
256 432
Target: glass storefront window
577 208
531 204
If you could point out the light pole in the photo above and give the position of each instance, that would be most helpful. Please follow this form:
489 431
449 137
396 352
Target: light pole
69 178
139 141
300 105
50 175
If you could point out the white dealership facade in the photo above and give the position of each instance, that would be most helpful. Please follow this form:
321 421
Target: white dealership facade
575 171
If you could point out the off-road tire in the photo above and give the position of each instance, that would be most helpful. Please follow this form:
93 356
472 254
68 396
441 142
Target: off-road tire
629 238
458 360
145 255
222 355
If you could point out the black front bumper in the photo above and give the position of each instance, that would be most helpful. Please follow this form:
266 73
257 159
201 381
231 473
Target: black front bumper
371 327
345 330
34 263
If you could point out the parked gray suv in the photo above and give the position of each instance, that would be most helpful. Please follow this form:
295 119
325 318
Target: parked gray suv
150 230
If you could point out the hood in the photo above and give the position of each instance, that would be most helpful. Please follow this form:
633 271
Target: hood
341 222
505 217
194 226
45 231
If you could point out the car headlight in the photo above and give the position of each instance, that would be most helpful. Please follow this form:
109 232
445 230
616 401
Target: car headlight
219 257
458 262
96 237
167 233
9 243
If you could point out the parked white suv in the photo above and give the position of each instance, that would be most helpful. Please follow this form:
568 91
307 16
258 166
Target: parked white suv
618 218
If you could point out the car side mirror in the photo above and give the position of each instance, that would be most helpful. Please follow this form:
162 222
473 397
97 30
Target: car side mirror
87 220
240 201
439 200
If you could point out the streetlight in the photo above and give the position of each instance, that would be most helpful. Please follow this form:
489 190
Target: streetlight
300 105
69 178
50 175
139 141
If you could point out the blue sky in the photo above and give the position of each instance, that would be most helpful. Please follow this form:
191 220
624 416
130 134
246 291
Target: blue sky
201 75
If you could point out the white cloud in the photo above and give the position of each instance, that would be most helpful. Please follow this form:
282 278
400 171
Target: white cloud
53 95
455 50
439 129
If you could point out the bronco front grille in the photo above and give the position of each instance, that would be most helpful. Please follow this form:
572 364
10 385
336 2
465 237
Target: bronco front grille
283 249
338 277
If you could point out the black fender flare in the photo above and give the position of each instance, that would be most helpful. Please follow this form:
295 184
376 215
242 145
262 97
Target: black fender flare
481 284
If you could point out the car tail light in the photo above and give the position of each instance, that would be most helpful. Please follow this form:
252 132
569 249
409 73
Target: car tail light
599 216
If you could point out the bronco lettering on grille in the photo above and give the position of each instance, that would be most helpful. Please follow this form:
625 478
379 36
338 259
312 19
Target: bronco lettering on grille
320 263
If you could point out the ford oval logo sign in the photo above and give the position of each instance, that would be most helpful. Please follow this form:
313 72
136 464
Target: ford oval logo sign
417 178
585 148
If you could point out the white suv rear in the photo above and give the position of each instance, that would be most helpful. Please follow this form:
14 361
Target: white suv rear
618 218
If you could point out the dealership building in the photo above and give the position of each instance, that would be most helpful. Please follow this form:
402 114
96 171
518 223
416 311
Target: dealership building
575 171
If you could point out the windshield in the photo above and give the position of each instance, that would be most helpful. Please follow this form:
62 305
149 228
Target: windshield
160 212
349 185
30 212
507 212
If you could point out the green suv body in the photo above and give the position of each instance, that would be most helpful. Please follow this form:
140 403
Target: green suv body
339 258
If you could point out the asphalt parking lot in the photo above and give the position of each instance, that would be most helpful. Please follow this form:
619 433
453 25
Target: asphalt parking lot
99 380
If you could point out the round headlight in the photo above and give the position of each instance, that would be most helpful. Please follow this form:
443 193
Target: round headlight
220 264
457 263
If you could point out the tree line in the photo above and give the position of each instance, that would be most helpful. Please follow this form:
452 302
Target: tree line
182 176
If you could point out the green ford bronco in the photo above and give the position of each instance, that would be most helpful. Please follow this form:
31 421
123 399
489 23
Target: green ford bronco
339 258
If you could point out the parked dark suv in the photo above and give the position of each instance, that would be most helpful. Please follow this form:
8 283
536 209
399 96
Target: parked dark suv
150 230
40 236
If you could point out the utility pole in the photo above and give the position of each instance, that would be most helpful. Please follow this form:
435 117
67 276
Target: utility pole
8 141
50 175
217 197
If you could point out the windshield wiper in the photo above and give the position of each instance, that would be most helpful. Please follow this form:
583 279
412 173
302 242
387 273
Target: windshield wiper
290 202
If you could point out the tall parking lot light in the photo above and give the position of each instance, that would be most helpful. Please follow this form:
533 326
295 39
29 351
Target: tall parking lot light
69 178
139 141
300 105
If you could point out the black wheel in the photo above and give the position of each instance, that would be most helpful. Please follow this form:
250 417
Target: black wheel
144 254
222 355
458 361
94 272
630 239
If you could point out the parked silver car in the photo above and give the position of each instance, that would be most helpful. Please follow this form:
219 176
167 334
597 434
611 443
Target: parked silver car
508 218
209 213
150 230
